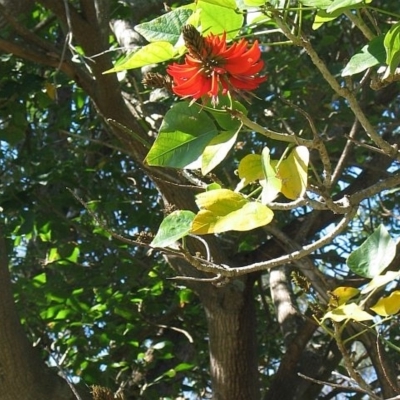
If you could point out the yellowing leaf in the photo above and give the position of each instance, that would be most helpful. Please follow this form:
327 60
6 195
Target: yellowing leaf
348 311
342 294
220 201
388 305
293 173
249 170
222 210
51 90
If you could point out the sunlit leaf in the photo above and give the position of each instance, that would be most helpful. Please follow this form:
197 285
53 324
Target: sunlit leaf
346 4
63 314
220 201
374 255
335 9
392 47
348 311
293 173
342 294
223 3
184 367
381 280
216 151
152 53
250 170
174 227
166 28
183 136
217 20
254 3
316 3
271 184
222 210
388 305
40 279
322 17
373 53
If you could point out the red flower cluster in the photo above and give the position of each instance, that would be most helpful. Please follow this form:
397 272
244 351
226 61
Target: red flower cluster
212 65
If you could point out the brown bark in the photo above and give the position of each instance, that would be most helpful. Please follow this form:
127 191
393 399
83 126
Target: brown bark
232 341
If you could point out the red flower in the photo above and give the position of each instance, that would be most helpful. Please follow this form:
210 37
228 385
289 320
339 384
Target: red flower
212 65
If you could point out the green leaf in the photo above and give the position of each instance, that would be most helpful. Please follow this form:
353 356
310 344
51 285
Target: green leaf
225 119
183 136
254 3
184 367
216 19
40 280
323 17
392 47
174 227
222 210
335 9
388 305
371 54
216 151
348 311
272 185
250 170
166 28
222 3
63 314
346 4
152 53
316 3
374 255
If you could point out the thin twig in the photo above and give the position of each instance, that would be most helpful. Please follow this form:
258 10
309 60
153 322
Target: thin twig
194 279
64 376
318 143
295 255
344 92
283 137
360 24
331 384
346 152
354 374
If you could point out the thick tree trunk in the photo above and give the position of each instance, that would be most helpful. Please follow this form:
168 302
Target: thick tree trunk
232 341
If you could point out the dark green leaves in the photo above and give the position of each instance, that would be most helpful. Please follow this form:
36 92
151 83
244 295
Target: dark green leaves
166 28
371 54
374 255
183 136
392 47
174 227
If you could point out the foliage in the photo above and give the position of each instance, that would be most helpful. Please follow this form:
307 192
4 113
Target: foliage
300 176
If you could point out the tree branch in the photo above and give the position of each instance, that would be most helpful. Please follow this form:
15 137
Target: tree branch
344 92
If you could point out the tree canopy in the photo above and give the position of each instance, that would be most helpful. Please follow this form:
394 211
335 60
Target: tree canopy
199 199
